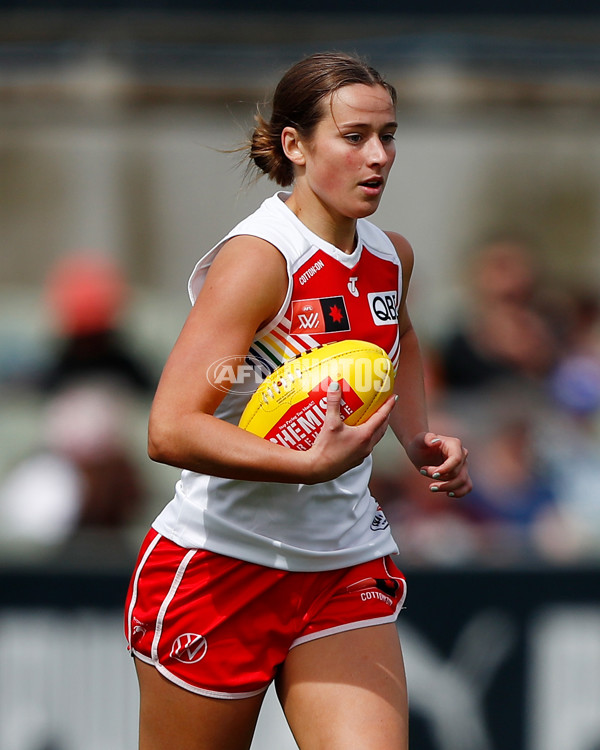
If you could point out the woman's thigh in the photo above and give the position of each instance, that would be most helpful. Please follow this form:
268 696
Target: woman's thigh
347 690
172 718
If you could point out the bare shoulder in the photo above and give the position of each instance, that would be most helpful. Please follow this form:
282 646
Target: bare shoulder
244 288
404 250
244 252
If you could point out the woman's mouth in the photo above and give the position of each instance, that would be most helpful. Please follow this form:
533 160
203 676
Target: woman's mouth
374 185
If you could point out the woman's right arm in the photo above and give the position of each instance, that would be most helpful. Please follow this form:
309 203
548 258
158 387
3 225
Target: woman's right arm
244 289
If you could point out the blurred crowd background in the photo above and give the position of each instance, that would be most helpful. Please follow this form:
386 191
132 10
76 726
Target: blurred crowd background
115 176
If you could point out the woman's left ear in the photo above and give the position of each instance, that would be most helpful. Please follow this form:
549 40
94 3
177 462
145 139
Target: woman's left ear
292 146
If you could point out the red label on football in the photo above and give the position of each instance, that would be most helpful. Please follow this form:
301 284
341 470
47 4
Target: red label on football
300 425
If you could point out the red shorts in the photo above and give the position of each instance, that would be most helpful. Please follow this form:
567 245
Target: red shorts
221 627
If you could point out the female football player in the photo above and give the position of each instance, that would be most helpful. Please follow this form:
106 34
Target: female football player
271 563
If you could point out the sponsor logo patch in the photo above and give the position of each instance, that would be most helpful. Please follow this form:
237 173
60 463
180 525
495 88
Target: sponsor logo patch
384 307
324 315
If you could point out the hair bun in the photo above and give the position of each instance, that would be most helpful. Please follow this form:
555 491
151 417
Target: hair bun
267 153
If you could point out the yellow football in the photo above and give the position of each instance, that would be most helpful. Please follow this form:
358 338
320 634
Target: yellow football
289 405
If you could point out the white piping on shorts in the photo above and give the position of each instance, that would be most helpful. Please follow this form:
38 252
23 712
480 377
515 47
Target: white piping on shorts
134 592
344 628
358 623
177 578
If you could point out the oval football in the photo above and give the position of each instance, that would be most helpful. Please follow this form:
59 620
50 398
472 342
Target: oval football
289 405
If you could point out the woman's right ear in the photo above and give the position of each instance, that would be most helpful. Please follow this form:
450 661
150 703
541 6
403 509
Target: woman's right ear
292 146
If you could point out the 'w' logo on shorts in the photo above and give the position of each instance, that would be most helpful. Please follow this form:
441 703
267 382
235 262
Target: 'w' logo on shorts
189 648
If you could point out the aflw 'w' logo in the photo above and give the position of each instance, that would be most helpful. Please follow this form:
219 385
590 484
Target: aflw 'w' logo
308 321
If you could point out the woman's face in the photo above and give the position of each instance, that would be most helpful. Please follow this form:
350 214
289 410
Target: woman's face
351 151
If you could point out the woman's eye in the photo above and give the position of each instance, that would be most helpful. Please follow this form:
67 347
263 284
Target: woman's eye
353 137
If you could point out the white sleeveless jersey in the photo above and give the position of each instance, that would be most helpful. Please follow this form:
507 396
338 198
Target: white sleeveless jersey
331 296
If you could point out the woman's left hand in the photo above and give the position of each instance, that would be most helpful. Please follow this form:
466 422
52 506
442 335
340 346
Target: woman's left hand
443 459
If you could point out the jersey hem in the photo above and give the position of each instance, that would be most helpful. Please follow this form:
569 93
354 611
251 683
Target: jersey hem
317 562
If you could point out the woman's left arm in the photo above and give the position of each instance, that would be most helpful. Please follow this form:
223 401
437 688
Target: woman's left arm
439 457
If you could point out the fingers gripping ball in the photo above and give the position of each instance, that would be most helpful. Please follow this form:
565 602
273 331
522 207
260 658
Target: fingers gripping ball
289 406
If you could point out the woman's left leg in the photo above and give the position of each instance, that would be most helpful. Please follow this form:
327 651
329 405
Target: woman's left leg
347 690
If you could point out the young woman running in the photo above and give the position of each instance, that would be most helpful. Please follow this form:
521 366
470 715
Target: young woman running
272 563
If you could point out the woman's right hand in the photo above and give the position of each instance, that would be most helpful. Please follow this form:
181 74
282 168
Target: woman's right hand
339 447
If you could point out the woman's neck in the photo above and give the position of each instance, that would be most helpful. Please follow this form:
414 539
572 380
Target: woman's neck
339 231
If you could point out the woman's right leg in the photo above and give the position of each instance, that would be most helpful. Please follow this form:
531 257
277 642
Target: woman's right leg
172 718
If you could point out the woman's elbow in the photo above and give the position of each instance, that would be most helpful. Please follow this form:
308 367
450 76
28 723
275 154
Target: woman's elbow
154 450
160 443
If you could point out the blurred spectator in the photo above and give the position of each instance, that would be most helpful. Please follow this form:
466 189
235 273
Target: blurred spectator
502 333
572 441
514 489
521 460
519 378
522 368
82 474
79 477
575 382
430 528
86 294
